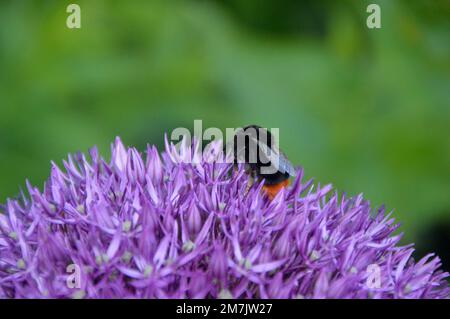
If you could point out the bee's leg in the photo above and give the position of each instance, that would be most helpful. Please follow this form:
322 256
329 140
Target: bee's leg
249 184
251 181
233 171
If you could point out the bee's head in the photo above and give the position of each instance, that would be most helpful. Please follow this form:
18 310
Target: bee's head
251 145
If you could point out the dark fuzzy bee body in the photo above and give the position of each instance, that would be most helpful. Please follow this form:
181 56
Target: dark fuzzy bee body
256 147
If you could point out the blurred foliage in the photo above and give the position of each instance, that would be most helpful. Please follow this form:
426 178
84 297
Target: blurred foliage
367 110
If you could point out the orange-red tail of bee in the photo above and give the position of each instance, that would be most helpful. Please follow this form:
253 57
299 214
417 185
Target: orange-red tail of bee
272 190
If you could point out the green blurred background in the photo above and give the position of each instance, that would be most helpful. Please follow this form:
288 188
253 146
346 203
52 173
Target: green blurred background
367 110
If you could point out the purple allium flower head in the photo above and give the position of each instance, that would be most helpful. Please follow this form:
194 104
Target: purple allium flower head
159 227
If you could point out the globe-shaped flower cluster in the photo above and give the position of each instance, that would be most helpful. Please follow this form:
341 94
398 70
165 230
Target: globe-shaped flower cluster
158 227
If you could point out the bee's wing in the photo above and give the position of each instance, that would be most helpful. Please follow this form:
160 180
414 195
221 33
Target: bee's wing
285 166
274 155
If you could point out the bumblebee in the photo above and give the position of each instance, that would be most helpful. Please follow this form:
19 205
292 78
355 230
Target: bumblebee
257 148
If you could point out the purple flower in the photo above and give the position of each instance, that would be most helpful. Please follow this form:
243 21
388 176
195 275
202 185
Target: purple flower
159 227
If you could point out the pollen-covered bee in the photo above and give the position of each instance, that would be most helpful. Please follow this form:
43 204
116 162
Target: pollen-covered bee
257 148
